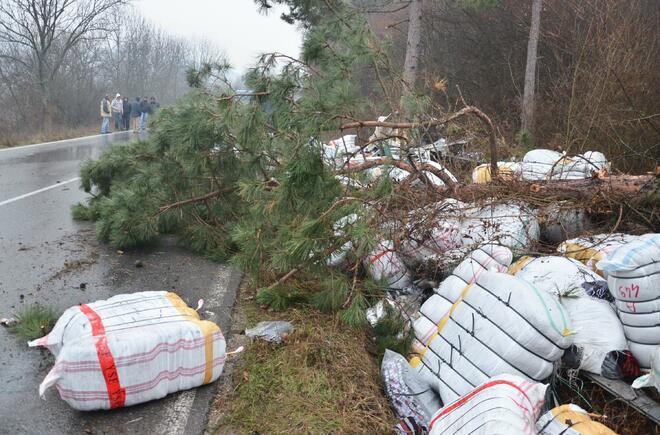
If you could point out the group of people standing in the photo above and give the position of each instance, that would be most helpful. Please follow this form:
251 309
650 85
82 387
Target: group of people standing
126 114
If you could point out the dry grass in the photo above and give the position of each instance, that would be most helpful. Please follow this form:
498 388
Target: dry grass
321 380
56 133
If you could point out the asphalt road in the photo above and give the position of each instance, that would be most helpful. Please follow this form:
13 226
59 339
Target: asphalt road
45 256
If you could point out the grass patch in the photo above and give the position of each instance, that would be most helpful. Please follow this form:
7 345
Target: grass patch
322 379
11 139
34 321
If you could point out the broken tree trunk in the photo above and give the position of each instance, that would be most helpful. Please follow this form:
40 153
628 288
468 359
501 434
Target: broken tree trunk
613 189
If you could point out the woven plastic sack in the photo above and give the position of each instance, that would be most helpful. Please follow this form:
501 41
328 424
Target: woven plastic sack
513 225
570 420
559 276
597 331
633 275
561 221
130 349
408 394
383 263
504 404
505 170
543 164
468 332
651 379
591 250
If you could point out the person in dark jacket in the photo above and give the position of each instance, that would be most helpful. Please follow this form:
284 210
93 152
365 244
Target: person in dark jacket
154 104
135 114
126 114
145 110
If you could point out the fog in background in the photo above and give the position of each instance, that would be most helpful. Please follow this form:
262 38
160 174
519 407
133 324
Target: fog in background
54 76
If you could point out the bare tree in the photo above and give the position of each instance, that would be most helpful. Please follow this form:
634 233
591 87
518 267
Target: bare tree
45 31
411 64
527 121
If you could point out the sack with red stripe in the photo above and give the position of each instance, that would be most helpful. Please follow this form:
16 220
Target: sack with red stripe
504 404
130 349
384 264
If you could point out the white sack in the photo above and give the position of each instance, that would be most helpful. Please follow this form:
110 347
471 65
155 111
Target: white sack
570 420
383 263
130 349
560 222
466 333
590 250
408 394
504 404
559 276
651 379
633 275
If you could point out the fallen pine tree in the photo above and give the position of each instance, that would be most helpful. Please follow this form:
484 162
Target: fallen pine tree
241 176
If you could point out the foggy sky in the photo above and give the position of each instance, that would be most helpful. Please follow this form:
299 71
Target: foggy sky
234 26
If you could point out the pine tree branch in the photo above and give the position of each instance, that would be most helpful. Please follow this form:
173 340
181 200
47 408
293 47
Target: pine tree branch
214 194
243 94
284 279
425 124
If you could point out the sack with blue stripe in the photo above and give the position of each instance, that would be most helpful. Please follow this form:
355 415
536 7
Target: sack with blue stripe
633 276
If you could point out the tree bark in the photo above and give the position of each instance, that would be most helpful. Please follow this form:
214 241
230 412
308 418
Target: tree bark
527 118
411 64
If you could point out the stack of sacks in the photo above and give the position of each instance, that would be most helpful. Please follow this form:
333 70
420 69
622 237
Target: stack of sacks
384 264
651 379
481 323
590 250
570 420
633 275
130 349
600 343
542 164
503 404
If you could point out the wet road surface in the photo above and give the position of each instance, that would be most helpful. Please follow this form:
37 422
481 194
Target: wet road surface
45 256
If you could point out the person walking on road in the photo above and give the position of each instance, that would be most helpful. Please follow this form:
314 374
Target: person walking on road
135 114
145 109
106 114
126 116
117 111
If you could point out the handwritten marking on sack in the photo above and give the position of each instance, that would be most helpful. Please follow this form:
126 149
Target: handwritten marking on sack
631 306
631 291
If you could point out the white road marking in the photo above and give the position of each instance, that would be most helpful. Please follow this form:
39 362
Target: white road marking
44 189
22 147
176 415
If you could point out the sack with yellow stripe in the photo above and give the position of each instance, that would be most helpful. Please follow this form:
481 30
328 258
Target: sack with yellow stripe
570 420
130 349
479 325
592 249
